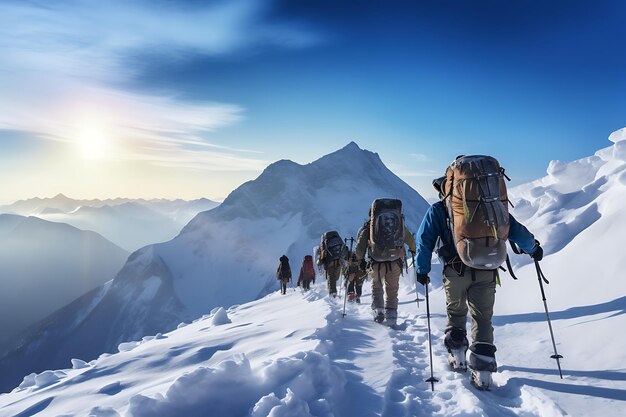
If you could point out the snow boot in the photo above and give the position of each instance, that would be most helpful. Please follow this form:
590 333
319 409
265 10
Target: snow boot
358 300
379 315
391 318
457 344
482 361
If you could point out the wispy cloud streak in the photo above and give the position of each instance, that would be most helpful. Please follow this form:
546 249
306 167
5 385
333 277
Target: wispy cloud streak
63 63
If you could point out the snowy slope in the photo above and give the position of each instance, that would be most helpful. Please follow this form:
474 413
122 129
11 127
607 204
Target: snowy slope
224 256
281 356
295 355
130 224
44 266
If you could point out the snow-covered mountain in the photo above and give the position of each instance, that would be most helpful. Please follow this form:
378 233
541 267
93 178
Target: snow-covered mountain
130 224
44 266
224 256
295 355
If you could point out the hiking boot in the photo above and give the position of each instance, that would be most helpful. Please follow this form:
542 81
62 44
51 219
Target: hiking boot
482 380
457 344
379 315
358 300
482 361
391 321
391 317
457 360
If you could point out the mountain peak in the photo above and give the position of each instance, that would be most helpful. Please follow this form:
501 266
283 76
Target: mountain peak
61 196
352 146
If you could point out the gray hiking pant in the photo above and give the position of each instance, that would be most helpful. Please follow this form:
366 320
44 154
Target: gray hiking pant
463 294
333 275
385 284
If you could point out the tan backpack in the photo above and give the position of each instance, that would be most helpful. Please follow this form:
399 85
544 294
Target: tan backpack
477 209
386 230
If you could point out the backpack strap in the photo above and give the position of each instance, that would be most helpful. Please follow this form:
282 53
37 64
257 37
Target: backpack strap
508 265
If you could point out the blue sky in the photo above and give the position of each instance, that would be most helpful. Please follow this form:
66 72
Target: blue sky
192 98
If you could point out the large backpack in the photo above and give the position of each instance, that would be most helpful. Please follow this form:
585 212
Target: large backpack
331 247
477 209
386 230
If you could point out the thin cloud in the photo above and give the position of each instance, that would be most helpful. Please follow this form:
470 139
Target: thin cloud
419 157
63 60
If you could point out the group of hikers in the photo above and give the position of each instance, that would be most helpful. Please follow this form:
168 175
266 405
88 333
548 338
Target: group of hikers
468 228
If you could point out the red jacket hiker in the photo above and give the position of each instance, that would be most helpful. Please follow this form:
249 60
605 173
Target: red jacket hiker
307 272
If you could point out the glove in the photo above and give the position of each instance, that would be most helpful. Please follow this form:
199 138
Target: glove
423 279
298 283
412 253
363 265
538 253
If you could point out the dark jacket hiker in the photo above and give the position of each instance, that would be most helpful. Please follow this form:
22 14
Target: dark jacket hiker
283 273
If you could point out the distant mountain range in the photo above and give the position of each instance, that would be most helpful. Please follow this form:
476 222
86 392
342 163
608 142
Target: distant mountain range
46 265
129 223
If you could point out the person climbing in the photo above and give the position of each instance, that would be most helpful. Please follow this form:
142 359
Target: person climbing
468 229
355 275
307 273
283 273
383 237
332 253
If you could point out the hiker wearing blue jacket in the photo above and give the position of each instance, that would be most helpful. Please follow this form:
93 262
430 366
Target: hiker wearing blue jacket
466 288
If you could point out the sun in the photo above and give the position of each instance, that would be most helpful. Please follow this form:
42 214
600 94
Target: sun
93 142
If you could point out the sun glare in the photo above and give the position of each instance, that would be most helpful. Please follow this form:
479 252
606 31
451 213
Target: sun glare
93 143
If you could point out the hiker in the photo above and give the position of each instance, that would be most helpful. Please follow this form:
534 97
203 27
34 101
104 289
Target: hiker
283 273
355 276
307 273
473 212
332 254
383 236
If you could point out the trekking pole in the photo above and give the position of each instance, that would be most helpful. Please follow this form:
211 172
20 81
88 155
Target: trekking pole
432 378
345 297
417 294
542 278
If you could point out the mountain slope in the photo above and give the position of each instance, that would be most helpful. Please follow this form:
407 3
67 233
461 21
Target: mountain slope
222 257
44 266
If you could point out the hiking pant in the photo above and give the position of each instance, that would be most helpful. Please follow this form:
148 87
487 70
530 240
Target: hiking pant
333 273
478 296
283 286
356 285
306 284
385 284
